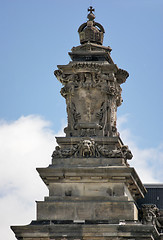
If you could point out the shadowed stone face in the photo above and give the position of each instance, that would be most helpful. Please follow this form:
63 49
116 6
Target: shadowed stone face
87 148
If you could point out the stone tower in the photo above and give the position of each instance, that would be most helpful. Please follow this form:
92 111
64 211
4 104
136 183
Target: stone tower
92 189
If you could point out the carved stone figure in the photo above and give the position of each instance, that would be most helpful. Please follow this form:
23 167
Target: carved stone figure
86 148
101 115
57 152
87 81
150 213
73 115
127 154
68 89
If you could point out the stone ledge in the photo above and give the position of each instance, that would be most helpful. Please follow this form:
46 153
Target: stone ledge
86 198
87 162
99 140
52 230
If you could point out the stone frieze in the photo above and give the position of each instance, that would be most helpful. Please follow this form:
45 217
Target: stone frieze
87 148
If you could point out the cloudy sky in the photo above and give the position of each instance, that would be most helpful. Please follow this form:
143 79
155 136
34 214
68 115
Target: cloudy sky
36 36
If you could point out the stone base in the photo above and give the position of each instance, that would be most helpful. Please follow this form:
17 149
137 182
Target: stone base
57 230
90 210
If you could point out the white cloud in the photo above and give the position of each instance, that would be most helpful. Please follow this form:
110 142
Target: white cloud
28 143
147 162
25 144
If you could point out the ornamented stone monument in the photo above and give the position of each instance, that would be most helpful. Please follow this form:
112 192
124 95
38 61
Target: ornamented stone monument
92 189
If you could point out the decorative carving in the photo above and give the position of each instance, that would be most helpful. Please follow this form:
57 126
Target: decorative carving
117 153
87 132
109 153
65 78
119 99
88 148
121 75
58 74
73 115
127 154
59 153
89 84
149 214
101 114
68 89
86 66
88 79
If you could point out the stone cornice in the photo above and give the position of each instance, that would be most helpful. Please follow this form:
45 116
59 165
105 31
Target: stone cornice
92 174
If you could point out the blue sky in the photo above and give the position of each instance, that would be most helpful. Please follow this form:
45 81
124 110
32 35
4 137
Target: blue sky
36 36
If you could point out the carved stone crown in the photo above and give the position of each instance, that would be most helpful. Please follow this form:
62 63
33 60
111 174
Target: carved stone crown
91 31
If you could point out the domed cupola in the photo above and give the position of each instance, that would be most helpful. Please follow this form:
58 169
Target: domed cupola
91 31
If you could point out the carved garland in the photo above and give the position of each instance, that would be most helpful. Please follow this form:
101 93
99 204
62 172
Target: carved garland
88 148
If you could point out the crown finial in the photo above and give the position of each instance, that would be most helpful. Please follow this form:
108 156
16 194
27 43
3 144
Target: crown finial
91 9
91 16
91 31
